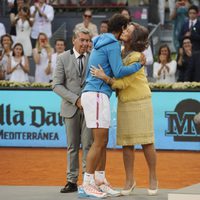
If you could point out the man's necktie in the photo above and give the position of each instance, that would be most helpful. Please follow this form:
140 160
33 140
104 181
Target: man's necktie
191 25
80 64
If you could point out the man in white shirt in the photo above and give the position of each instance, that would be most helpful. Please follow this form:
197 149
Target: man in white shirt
59 48
44 15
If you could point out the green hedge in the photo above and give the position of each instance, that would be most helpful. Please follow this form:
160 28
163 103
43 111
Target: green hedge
9 84
179 85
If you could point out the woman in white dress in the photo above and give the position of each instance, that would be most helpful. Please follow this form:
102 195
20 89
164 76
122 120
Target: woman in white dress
42 57
165 69
23 29
18 65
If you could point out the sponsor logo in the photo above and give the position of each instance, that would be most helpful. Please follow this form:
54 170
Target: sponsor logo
181 124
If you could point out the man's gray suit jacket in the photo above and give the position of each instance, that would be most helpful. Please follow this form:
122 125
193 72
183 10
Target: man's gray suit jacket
67 82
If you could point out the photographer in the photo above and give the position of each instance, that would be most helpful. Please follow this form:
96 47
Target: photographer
42 57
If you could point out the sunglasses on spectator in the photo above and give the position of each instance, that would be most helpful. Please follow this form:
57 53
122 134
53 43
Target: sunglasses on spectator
87 16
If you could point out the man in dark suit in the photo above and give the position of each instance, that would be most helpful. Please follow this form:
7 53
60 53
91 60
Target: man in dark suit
191 28
68 80
193 72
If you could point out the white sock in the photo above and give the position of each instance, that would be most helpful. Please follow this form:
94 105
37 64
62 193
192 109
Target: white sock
88 178
100 175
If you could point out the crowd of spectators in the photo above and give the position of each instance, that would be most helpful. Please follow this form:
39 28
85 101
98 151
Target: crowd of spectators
31 29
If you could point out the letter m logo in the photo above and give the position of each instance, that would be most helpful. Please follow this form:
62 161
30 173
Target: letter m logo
180 126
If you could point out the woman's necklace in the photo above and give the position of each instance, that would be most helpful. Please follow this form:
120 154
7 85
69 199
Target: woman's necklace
22 25
17 59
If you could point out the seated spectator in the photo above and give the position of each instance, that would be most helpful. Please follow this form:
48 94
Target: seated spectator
164 70
18 65
184 59
42 57
103 27
59 48
23 29
87 16
193 72
43 15
191 28
6 43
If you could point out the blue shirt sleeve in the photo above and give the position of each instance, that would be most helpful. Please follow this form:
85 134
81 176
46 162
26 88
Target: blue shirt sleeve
115 60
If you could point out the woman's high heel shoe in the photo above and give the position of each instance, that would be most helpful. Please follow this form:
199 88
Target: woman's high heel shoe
153 192
127 192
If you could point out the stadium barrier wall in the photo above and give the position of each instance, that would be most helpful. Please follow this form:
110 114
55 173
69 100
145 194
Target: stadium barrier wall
30 118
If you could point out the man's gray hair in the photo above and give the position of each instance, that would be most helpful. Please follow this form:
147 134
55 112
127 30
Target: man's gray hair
80 30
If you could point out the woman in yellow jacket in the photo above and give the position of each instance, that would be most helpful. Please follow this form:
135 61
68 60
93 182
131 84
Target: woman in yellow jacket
134 111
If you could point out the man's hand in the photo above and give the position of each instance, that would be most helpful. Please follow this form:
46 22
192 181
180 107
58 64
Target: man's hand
78 103
180 51
142 59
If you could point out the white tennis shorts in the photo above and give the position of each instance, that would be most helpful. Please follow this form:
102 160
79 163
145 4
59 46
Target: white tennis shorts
96 107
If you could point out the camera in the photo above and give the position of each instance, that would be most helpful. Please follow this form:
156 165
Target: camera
25 9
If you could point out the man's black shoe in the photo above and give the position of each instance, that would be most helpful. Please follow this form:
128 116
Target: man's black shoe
69 187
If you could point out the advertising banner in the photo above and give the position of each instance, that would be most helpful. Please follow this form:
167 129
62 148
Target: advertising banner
30 118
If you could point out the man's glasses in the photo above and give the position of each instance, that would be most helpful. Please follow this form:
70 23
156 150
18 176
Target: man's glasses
187 42
87 16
